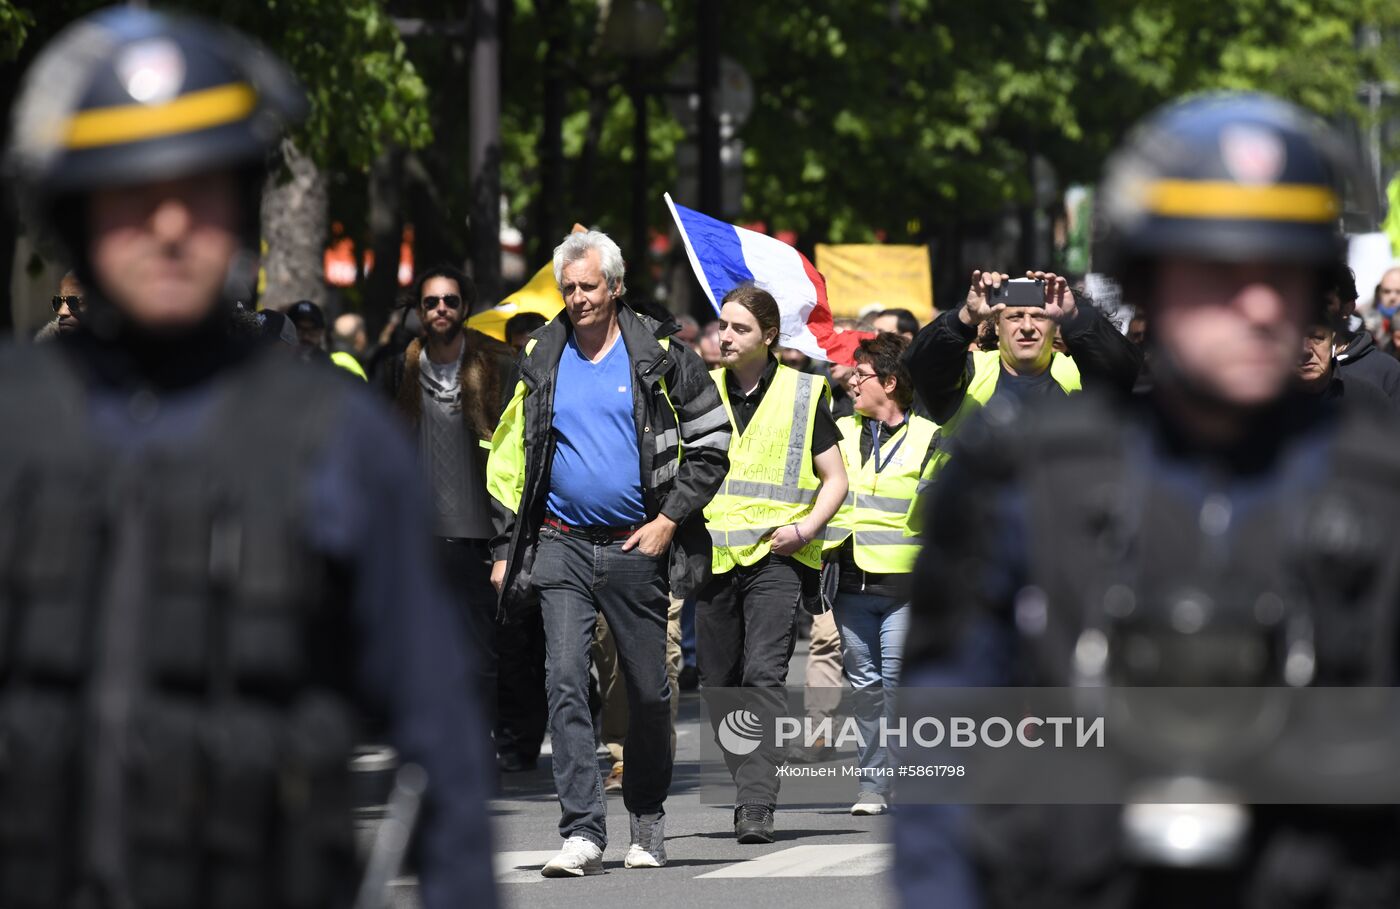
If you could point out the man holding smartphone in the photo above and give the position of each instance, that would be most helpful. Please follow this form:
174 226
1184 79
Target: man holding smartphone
1027 314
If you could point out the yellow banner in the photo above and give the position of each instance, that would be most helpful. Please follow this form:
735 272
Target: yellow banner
539 295
876 276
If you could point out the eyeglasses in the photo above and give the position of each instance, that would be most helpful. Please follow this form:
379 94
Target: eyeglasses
858 377
74 302
453 301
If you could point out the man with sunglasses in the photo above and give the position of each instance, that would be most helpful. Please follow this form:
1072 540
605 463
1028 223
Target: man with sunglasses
451 385
67 306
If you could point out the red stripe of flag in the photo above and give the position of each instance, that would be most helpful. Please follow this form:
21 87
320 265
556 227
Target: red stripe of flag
840 346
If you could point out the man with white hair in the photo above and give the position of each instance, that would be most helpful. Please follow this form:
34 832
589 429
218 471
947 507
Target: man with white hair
598 513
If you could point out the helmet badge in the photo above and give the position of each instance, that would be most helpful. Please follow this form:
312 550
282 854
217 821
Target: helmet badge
152 71
1253 155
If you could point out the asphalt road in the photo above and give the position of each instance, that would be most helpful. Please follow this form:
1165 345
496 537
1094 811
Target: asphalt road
823 856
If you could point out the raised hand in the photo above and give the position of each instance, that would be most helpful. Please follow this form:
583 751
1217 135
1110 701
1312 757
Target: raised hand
979 307
1060 304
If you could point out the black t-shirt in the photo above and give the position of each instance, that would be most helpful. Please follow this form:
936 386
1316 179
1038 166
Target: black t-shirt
1027 388
824 431
887 438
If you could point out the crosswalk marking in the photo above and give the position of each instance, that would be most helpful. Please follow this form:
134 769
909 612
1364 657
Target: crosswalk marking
521 867
853 860
831 860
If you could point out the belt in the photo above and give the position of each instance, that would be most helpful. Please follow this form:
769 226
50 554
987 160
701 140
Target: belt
593 532
854 579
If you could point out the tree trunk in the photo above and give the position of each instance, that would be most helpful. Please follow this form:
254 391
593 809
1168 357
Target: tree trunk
294 215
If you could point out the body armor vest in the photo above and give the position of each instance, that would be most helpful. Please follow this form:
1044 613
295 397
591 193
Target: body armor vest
174 659
1304 571
1299 588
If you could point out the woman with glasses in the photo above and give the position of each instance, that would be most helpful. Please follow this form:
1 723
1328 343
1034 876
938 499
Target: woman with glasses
870 549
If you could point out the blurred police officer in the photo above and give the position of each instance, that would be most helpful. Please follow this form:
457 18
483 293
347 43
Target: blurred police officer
1222 496
208 549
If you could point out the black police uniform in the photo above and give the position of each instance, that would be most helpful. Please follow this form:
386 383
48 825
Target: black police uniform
201 577
1071 516
211 564
1090 496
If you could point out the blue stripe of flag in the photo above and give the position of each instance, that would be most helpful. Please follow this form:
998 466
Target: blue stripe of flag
716 245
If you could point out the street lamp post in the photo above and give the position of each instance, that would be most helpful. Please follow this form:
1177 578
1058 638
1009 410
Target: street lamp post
635 30
641 149
484 158
711 198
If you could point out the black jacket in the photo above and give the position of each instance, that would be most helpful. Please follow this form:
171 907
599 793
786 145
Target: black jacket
1364 360
678 487
1357 392
941 367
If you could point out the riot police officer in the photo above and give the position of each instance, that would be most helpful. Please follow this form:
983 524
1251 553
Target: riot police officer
1224 498
211 563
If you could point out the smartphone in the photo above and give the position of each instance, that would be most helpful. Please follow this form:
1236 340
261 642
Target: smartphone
1020 292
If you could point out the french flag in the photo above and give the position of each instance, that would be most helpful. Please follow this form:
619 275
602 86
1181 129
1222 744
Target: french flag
725 256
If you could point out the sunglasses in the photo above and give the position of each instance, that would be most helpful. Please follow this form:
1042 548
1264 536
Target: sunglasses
453 301
72 301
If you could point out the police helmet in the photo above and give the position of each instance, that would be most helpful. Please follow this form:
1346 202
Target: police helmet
1227 176
128 96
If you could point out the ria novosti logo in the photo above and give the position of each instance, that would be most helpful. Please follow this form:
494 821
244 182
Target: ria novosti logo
740 732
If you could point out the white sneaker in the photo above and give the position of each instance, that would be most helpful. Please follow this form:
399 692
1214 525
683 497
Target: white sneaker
579 856
868 803
648 849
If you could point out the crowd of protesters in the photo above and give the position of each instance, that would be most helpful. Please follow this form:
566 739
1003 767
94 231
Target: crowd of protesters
231 558
803 477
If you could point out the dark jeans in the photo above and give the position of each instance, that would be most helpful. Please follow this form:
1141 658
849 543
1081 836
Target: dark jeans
688 632
467 567
522 709
744 635
577 579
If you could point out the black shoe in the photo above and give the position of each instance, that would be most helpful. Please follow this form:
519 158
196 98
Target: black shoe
515 763
753 824
689 679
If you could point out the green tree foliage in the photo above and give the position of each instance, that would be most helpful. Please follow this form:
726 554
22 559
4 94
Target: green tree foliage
879 118
365 93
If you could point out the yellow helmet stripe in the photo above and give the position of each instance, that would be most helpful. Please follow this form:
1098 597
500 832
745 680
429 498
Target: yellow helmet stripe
135 122
1223 199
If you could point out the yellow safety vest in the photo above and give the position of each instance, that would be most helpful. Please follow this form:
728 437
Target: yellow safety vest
986 369
878 505
347 362
770 481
